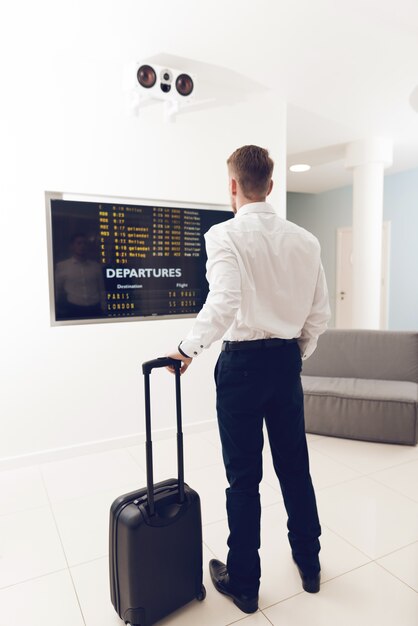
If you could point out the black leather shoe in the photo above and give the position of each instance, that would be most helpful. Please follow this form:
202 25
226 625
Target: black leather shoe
220 579
310 582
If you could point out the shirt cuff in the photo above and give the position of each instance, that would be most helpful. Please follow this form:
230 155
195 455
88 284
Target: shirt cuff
307 348
191 348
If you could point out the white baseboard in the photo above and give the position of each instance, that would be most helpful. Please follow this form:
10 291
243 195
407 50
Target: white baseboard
94 447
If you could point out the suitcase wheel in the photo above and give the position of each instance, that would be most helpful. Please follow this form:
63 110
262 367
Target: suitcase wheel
202 595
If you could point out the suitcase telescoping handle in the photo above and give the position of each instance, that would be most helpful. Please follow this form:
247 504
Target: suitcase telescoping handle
147 368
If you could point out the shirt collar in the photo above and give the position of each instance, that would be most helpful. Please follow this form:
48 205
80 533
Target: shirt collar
255 207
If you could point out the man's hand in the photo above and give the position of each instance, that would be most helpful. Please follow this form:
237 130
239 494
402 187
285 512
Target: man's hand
179 357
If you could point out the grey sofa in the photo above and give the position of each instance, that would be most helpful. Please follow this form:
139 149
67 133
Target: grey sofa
363 384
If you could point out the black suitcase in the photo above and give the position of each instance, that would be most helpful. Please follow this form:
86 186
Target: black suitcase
155 538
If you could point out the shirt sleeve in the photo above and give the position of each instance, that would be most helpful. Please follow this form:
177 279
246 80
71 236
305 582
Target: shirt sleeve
60 279
317 321
224 297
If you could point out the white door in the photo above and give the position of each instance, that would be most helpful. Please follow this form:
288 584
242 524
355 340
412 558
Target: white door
344 303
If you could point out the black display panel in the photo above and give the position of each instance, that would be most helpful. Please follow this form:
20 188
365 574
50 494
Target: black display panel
118 261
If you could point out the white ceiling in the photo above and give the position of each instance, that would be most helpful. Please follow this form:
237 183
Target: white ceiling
346 68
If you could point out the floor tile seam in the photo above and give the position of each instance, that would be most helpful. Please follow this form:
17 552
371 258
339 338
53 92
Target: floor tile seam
127 449
342 482
383 469
369 477
390 467
265 608
65 555
204 440
34 466
207 440
346 541
265 506
348 480
396 577
213 445
77 456
268 506
223 519
323 582
210 549
399 493
187 469
280 501
366 473
408 545
242 619
197 469
348 571
313 444
92 494
354 569
269 620
371 558
267 482
31 508
331 458
28 580
89 561
173 440
235 621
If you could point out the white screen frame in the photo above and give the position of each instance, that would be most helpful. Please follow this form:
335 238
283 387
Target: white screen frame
83 197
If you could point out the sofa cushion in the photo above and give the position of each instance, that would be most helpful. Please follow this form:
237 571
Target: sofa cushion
389 390
371 410
376 354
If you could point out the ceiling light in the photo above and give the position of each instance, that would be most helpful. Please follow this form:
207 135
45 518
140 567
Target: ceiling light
300 167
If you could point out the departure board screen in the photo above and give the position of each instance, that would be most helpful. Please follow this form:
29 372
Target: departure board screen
118 261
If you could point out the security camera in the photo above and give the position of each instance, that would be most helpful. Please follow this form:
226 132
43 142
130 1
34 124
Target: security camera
163 82
148 84
166 78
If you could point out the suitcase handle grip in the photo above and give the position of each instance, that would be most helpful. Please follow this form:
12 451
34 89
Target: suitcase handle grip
162 361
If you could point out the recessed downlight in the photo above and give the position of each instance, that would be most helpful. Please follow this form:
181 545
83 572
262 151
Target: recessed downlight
300 167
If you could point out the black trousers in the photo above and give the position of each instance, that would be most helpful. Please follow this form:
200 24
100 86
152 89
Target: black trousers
253 385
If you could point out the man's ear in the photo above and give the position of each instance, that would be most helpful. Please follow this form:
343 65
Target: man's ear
270 187
233 184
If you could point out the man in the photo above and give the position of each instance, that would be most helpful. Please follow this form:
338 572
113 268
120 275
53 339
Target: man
79 284
268 298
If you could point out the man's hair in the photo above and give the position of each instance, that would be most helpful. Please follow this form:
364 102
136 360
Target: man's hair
253 169
76 236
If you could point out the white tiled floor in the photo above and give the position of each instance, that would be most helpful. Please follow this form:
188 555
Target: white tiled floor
54 544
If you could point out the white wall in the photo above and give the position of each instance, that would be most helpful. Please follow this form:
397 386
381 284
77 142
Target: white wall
64 128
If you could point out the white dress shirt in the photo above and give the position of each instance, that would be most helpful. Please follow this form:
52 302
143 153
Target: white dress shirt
265 280
81 281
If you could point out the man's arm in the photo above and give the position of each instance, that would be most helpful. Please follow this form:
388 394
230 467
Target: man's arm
317 321
222 303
